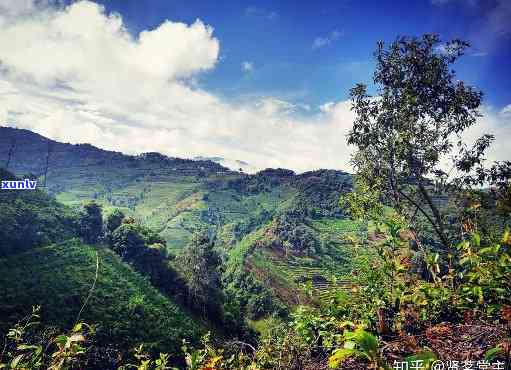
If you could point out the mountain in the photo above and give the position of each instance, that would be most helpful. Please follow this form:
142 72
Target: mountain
276 230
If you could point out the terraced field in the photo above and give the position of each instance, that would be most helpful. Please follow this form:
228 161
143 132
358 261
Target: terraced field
320 276
321 281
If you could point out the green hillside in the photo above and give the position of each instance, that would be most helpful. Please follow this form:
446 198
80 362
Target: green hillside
43 263
297 277
178 198
126 308
31 218
175 197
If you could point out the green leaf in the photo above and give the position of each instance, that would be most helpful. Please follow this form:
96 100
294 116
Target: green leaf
476 239
15 362
505 237
339 356
61 339
425 358
489 250
366 341
492 353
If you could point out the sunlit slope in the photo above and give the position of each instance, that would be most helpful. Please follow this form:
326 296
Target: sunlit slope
175 197
301 277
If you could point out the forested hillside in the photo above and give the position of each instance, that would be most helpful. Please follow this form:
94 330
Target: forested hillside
44 263
278 224
126 307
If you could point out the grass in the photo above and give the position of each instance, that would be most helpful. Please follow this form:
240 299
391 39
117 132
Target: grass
126 307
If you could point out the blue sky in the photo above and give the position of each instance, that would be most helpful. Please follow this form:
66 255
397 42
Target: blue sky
265 82
277 37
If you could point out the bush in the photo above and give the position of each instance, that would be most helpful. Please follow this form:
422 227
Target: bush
91 223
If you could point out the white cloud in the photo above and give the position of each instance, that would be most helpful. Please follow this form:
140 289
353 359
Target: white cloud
497 123
479 54
506 111
77 75
272 106
81 44
247 67
16 8
333 36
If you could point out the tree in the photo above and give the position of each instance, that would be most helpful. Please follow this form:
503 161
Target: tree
404 134
199 264
128 241
91 223
114 220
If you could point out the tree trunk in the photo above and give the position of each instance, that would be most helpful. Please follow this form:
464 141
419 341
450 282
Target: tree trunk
440 228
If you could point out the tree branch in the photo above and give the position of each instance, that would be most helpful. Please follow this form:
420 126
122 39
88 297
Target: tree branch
440 225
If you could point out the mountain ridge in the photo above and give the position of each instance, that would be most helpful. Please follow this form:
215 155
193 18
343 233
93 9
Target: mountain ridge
19 136
166 193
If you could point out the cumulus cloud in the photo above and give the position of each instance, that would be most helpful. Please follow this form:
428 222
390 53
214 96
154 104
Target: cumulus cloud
82 44
75 74
320 42
498 123
16 8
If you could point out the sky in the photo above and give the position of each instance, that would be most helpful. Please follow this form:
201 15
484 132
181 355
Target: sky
266 82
